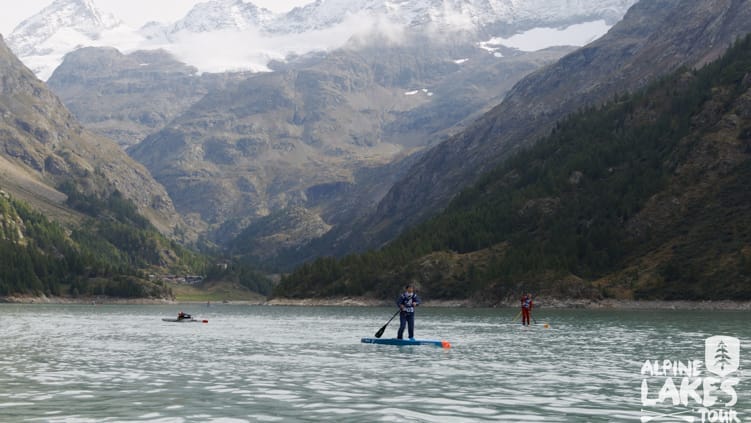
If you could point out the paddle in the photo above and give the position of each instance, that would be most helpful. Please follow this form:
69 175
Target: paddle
381 330
517 316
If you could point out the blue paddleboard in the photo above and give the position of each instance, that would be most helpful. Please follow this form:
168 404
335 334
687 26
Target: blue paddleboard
405 342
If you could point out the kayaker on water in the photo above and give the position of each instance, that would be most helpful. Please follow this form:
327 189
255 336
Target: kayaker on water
183 316
407 303
527 305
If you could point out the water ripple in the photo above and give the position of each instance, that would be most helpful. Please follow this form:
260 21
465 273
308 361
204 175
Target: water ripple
122 363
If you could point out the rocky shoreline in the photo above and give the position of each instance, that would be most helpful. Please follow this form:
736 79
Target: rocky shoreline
547 303
22 299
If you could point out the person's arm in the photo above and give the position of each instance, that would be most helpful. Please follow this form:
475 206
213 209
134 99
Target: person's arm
400 302
416 301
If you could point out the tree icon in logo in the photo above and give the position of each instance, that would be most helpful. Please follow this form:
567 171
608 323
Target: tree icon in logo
722 355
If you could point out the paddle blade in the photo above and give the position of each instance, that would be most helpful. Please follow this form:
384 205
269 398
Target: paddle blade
380 331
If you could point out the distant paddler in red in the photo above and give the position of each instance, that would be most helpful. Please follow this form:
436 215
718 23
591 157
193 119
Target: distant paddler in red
527 305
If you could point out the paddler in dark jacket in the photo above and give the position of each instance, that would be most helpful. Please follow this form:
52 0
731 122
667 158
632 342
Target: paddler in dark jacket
407 303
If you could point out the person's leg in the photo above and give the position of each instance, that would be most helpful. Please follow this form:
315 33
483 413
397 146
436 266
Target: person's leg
402 324
411 321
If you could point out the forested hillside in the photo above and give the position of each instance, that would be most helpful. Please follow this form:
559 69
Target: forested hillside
648 196
110 253
106 255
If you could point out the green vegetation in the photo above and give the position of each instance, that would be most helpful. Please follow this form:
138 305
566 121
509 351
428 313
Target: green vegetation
28 243
240 274
119 235
110 253
41 257
646 197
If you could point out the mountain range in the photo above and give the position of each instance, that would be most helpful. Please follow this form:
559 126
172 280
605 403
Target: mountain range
223 35
303 137
343 145
323 135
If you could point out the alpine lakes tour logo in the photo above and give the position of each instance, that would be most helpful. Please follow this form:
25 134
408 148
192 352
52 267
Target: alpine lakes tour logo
698 391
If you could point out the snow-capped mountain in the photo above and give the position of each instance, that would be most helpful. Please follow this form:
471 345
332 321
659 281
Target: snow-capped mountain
445 15
43 39
222 35
223 15
450 15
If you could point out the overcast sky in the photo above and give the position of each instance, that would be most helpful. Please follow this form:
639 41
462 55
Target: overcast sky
133 12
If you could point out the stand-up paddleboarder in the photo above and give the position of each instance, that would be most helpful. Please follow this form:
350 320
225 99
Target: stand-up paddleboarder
527 305
407 303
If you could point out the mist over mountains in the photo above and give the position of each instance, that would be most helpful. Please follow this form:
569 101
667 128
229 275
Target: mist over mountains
231 35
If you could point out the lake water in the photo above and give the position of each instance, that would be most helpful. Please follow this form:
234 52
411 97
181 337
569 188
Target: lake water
122 363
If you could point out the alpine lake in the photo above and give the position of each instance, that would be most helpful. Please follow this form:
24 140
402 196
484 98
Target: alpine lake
102 363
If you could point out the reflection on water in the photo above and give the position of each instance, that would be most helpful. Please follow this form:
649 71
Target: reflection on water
122 363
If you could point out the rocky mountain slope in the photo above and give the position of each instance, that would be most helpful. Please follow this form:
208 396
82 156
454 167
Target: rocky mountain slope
42 146
72 207
129 97
305 135
654 38
647 197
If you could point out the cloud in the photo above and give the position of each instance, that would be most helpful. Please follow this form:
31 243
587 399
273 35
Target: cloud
253 50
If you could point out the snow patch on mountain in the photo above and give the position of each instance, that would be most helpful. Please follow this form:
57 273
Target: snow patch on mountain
541 38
